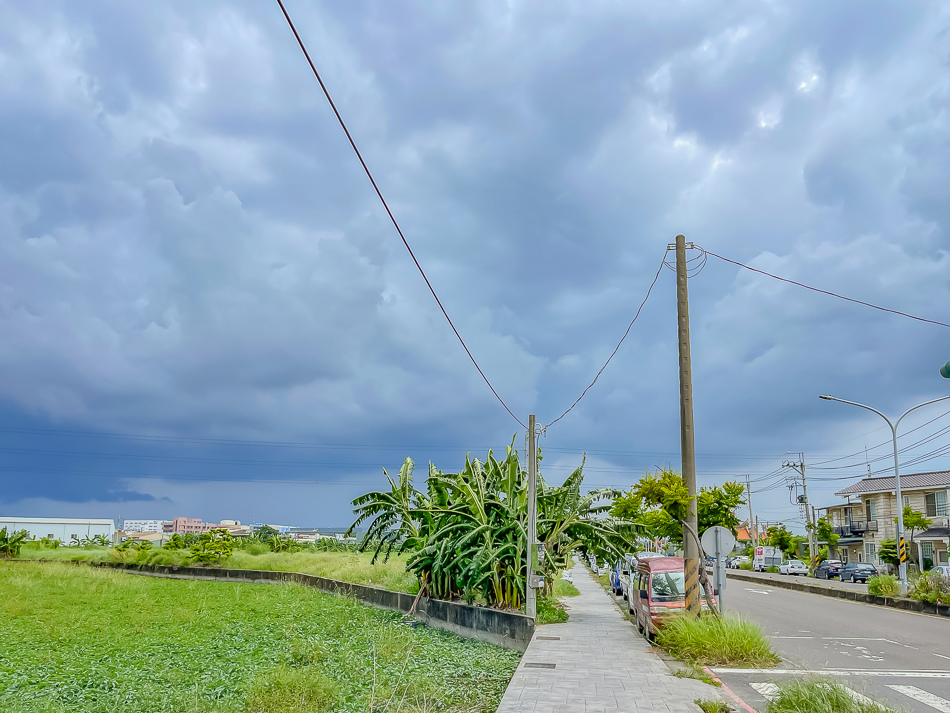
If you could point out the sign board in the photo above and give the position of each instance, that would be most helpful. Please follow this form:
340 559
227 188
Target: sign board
718 542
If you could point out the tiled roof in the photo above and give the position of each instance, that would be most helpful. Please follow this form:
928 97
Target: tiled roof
911 481
935 532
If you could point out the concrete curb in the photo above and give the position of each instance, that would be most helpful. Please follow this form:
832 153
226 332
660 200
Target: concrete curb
906 604
506 629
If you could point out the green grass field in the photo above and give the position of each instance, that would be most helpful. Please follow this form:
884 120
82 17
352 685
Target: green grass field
344 566
78 639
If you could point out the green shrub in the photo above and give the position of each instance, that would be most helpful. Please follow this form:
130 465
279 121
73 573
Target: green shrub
747 566
884 585
711 640
773 569
712 706
213 546
931 587
819 697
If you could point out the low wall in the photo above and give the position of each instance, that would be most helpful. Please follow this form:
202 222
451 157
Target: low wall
840 593
506 629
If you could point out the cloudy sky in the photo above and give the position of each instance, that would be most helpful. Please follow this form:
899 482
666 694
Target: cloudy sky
205 310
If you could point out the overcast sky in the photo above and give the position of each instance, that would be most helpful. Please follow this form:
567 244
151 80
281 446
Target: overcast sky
189 250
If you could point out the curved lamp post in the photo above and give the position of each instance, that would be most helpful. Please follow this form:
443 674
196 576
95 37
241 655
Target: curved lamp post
944 372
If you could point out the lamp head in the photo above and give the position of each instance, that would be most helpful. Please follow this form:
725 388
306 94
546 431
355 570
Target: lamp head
826 398
945 370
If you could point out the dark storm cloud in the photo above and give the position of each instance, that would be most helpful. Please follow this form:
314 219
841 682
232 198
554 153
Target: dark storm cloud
189 248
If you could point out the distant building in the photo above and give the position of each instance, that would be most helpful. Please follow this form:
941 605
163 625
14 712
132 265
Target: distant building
66 529
283 529
184 525
130 526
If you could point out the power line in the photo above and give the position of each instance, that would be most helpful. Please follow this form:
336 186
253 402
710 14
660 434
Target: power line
827 292
382 200
616 348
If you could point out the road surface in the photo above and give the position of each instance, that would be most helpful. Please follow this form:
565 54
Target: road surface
900 658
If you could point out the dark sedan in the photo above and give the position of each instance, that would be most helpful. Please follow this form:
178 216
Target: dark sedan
828 569
857 572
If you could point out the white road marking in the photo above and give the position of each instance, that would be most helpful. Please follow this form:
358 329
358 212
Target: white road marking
942 656
833 672
928 699
793 637
756 591
769 691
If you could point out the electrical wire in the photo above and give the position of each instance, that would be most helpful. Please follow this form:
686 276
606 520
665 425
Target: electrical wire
828 292
616 348
389 212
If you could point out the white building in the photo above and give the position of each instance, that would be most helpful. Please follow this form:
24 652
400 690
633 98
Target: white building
62 528
142 525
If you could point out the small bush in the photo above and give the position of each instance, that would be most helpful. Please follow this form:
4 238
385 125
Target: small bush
747 566
715 706
884 585
931 587
712 640
819 697
773 569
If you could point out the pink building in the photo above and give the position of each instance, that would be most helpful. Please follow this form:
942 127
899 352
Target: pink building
184 525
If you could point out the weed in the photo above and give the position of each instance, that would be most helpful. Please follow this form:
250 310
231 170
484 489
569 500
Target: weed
820 697
712 640
563 588
884 585
550 611
931 587
291 690
713 706
697 673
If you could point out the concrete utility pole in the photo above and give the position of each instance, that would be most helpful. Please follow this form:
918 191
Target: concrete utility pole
531 592
690 547
755 534
812 538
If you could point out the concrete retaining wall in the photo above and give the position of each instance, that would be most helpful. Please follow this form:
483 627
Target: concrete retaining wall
507 629
849 594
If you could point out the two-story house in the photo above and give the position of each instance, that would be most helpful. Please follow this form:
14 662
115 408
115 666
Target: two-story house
868 517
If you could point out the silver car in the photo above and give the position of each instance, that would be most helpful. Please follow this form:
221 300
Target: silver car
793 567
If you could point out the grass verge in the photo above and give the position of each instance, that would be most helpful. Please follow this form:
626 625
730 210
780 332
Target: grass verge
698 674
820 697
720 641
78 639
712 706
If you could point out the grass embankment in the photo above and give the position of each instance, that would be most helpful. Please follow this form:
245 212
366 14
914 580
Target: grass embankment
716 641
77 639
820 697
344 566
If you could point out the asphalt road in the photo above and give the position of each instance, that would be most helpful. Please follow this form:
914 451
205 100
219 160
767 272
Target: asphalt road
900 658
833 583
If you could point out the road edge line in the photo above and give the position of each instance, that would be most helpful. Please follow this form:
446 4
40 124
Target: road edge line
732 694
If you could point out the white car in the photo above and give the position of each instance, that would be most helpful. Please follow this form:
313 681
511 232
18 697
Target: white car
942 569
793 567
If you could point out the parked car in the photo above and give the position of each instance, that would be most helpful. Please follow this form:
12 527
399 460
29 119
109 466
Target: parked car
657 589
795 567
828 569
857 572
739 560
615 584
629 564
942 569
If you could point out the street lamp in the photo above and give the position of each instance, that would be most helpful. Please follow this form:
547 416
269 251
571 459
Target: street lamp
945 372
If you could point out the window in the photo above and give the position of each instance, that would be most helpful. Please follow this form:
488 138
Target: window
870 552
936 504
49 536
927 550
907 501
668 586
871 509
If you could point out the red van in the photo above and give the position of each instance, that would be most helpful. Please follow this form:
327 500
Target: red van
658 589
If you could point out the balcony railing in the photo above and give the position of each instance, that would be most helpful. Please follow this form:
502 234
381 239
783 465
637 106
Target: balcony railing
857 527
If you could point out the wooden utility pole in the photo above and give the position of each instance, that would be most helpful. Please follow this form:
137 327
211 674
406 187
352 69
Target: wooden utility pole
690 546
531 592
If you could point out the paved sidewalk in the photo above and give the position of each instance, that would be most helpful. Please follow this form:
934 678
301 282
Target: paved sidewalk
597 663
